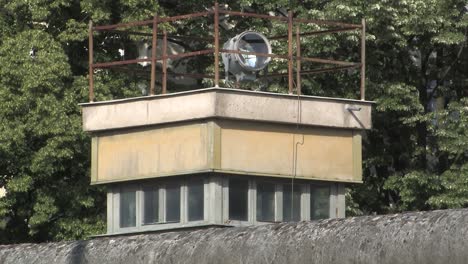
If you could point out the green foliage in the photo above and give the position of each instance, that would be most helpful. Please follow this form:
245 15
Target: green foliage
416 156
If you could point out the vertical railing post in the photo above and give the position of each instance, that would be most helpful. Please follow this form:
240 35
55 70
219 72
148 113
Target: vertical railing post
164 64
290 52
153 54
298 61
363 60
91 61
216 44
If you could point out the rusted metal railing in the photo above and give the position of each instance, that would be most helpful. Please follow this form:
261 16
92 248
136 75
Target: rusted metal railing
216 51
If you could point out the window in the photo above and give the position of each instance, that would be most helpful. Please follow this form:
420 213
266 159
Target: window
150 205
127 209
189 201
319 202
195 200
238 199
265 202
291 203
172 202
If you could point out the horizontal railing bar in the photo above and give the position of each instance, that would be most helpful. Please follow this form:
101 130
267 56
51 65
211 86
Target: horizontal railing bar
138 33
123 62
336 30
254 53
188 54
129 24
194 75
312 71
208 51
325 22
235 13
187 16
326 61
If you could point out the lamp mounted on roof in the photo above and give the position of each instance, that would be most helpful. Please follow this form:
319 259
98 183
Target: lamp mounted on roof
246 66
244 55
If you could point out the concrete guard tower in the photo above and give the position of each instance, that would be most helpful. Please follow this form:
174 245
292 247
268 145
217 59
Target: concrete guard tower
224 156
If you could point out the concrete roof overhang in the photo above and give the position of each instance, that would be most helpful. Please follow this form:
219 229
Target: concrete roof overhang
227 103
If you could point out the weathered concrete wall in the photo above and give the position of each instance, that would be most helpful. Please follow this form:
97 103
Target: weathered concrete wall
227 146
226 104
426 237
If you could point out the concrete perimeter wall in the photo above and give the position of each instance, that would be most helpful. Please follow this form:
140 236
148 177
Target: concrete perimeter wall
425 237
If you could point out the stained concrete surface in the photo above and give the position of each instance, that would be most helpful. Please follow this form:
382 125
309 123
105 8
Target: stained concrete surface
227 104
423 237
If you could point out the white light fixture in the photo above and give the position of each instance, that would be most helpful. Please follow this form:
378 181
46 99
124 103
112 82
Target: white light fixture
144 52
246 66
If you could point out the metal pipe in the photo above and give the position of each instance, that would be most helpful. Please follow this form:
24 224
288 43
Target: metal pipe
312 33
190 54
153 54
187 16
90 62
216 44
129 24
113 63
298 62
259 54
171 56
325 22
235 13
290 52
308 72
164 64
363 60
326 61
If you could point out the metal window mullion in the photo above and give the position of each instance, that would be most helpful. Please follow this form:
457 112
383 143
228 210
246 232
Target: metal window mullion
162 203
279 202
206 198
332 202
138 207
305 202
183 202
225 186
252 204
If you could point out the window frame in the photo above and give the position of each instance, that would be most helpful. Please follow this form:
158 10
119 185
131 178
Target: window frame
332 193
114 205
277 203
215 201
116 210
250 201
302 202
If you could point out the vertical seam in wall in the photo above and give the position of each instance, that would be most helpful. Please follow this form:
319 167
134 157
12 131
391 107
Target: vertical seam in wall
357 155
94 158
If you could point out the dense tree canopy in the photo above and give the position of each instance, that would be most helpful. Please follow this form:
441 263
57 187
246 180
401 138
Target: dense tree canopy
415 157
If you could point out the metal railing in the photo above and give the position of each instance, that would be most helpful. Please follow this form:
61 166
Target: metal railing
340 65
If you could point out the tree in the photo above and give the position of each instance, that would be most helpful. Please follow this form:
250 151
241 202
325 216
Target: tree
416 156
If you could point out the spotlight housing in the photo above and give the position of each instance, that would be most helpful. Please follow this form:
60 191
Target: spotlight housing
246 66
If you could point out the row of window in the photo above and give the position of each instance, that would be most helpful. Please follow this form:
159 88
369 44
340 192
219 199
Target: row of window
161 203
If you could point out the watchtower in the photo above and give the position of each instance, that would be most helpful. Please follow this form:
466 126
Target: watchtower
220 155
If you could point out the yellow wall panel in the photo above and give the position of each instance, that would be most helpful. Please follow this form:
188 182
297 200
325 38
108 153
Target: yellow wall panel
152 152
315 153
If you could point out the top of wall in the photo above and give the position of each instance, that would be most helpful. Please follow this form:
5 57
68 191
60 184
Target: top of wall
228 104
423 237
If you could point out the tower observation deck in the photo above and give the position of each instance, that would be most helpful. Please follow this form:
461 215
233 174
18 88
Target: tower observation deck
221 155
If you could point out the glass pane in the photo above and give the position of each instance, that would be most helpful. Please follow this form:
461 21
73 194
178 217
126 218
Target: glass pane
127 209
291 205
238 199
195 200
319 202
173 202
265 202
150 205
253 43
